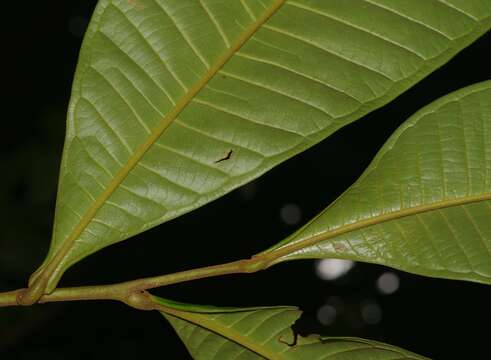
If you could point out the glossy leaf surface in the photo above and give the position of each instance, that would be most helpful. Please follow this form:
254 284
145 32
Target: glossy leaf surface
265 333
424 203
176 103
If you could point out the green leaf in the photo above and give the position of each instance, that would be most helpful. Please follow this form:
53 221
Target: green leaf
424 203
165 89
265 333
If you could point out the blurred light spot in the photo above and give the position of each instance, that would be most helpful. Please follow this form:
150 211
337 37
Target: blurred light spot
290 214
77 26
326 314
371 313
331 269
388 283
248 191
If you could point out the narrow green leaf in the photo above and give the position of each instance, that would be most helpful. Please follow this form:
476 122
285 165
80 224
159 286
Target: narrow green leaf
176 103
424 203
265 333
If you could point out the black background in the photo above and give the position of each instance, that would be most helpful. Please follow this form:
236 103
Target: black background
439 318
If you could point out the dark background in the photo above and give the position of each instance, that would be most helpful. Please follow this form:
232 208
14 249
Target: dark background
438 318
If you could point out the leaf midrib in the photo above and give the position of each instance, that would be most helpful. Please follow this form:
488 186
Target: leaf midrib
154 136
226 332
289 248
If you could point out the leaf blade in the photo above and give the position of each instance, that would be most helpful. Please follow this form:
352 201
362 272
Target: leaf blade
423 204
260 333
157 100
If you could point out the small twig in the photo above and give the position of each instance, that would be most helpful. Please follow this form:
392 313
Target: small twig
133 293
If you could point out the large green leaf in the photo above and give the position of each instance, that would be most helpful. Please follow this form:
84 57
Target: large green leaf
265 333
164 89
424 203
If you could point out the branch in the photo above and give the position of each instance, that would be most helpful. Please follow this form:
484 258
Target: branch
133 293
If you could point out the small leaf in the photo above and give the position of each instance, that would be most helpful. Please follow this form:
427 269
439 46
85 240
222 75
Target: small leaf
424 203
176 103
265 333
